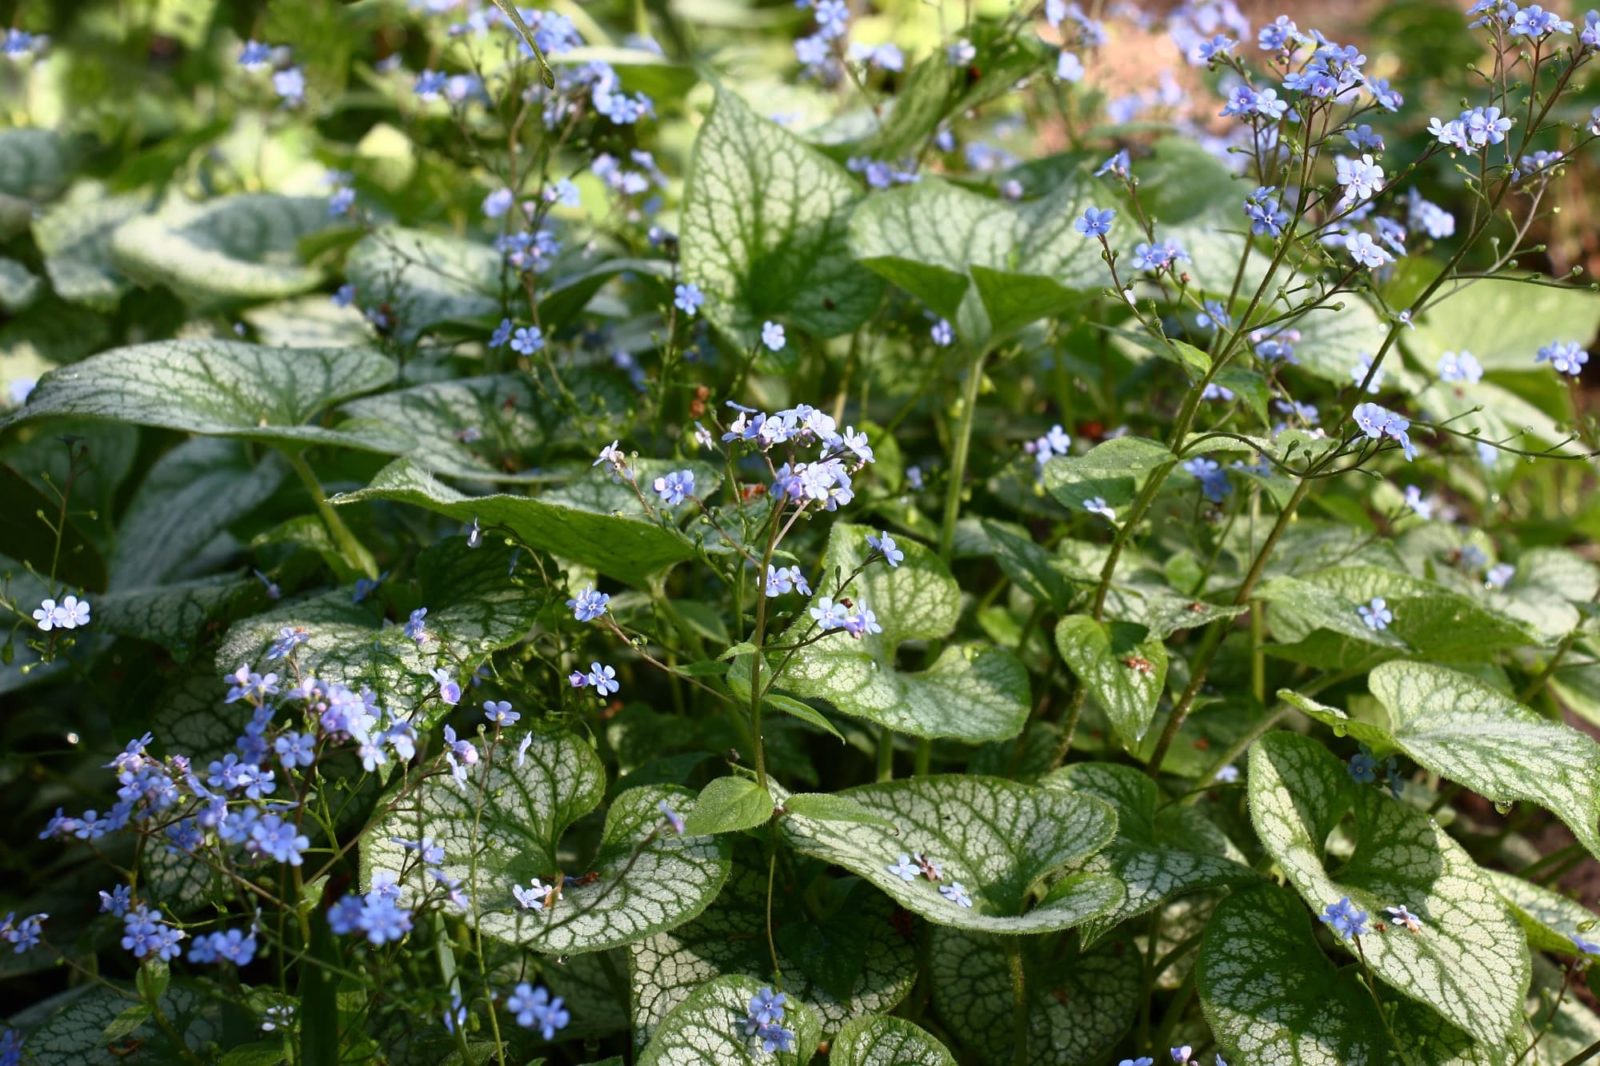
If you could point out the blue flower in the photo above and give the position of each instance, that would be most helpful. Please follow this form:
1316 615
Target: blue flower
233 945
1376 614
588 604
499 713
255 55
527 340
904 868
885 545
1213 479
532 898
687 298
942 333
1365 251
772 336
535 1008
11 1047
1460 366
1586 947
1182 1055
117 901
1096 221
1565 356
1097 505
1399 915
295 749
1535 21
602 677
146 935
1345 919
290 85
24 934
674 487
1363 768
1119 164
344 296
1359 178
1499 575
956 893
415 625
429 84
289 638
673 818
498 203
1142 1060
1377 422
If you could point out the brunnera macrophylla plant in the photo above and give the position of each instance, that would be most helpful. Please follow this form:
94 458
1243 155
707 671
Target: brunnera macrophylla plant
725 535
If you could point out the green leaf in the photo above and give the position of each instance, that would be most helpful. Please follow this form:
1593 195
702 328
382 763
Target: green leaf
999 839
1078 1004
1551 920
707 1029
764 219
75 237
1460 728
728 804
74 1034
831 807
175 615
473 610
1160 852
970 693
1111 470
878 1040
840 950
19 286
1270 995
601 528
186 502
647 878
1029 566
214 387
1124 670
1504 323
987 265
425 278
34 167
1469 962
229 250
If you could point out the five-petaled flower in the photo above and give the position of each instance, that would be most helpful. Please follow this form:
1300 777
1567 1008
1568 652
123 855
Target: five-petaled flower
1345 919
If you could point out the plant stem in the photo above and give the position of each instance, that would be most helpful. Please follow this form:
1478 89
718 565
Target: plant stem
351 550
1019 1002
958 455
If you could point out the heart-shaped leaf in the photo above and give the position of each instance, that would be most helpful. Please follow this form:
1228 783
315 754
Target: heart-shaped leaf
1271 995
594 523
1078 1005
34 167
970 693
1469 961
1550 919
1123 669
988 266
764 220
216 388
235 249
74 1034
473 609
708 1029
879 1040
728 804
1110 471
75 237
1160 852
1000 841
850 959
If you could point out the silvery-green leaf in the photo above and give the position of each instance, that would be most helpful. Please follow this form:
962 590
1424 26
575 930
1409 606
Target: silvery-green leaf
1332 342
473 609
1551 920
1123 669
19 286
987 265
174 615
1110 471
764 218
879 1040
1496 413
1161 610
74 1035
425 278
75 237
214 387
483 428
998 839
1503 323
1078 1005
502 826
1300 607
230 250
1432 620
1542 593
850 960
34 167
597 526
707 1029
1470 960
313 321
971 692
1272 996
1160 852
192 493
1460 728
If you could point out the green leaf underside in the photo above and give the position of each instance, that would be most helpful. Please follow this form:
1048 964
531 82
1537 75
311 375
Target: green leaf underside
707 1029
970 693
987 265
883 1041
764 221
997 838
214 387
1124 671
472 610
502 826
1551 920
851 962
1464 730
618 541
1470 961
1271 996
1160 852
1078 1006
236 248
